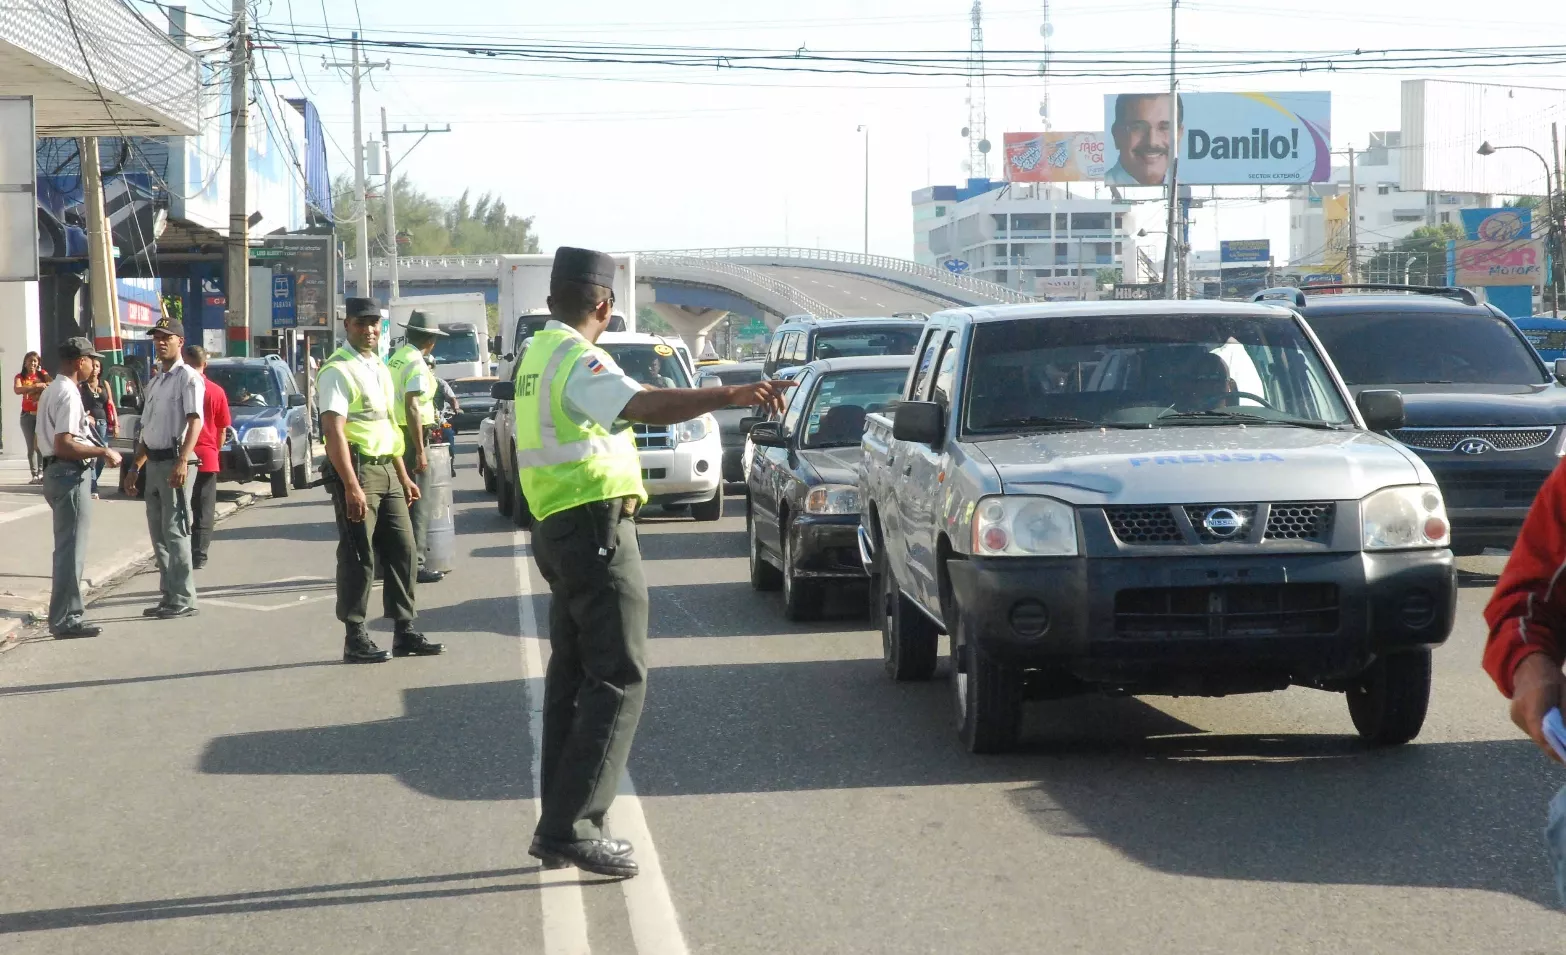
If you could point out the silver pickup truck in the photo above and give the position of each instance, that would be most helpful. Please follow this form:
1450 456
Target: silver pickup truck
1150 498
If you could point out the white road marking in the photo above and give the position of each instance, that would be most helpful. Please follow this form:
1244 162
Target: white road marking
560 895
267 608
655 926
24 512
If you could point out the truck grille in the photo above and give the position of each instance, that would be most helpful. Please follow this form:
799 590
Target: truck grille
653 436
1447 439
1299 522
1144 525
1197 513
1233 610
1156 524
1493 489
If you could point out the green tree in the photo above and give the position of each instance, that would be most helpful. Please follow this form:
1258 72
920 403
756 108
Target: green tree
430 226
648 322
1420 255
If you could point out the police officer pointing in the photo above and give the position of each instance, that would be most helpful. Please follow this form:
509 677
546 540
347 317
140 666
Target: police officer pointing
582 477
370 489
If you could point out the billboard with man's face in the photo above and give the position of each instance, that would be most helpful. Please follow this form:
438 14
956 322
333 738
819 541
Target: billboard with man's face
1246 139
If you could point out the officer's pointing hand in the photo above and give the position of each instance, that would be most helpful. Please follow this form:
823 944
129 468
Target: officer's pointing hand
768 394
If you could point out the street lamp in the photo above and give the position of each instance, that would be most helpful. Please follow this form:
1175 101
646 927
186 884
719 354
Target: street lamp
1485 149
866 131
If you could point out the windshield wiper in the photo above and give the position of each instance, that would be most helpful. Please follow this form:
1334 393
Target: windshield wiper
1040 421
1246 417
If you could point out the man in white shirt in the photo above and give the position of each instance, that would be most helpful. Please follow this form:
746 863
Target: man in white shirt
68 446
170 426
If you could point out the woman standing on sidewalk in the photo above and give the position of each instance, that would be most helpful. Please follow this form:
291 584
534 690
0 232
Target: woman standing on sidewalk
30 383
100 406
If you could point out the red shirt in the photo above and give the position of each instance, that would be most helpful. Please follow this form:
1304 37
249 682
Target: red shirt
1527 612
214 421
30 402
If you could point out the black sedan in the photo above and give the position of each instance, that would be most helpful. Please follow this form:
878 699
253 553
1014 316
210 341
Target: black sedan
802 492
474 401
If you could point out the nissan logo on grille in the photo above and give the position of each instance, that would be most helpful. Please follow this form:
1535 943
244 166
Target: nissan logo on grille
1222 522
1474 446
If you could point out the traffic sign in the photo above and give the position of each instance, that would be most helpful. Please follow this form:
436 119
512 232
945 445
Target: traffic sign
956 265
284 314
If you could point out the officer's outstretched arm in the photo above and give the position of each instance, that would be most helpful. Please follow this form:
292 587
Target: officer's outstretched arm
673 405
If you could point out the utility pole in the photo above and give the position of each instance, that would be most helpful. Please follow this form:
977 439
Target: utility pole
866 131
1353 214
100 254
1556 265
358 69
395 292
237 280
1171 280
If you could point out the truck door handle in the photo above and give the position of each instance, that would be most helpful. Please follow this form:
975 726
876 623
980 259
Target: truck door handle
907 469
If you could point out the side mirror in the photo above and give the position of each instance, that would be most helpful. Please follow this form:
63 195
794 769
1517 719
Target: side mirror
768 434
924 422
495 346
296 401
1560 370
710 381
1382 409
503 391
749 422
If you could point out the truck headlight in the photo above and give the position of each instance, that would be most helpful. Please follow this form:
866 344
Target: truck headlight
263 435
693 430
1024 527
832 499
1413 516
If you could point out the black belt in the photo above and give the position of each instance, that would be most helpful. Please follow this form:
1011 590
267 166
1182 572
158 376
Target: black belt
377 459
162 454
627 506
53 460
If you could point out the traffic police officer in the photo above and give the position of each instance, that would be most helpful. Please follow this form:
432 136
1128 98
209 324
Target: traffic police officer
581 475
414 411
370 489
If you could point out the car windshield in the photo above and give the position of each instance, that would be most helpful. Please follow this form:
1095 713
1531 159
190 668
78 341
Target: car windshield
1395 348
247 386
647 365
729 375
837 413
476 386
458 346
1146 371
853 342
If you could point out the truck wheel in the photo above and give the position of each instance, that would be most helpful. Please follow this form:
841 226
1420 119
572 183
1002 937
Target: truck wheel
763 576
301 476
709 510
909 639
280 479
521 513
506 490
489 473
1389 705
987 696
801 598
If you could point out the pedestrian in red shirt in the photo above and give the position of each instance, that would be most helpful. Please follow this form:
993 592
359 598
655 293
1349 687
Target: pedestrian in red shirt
215 425
30 383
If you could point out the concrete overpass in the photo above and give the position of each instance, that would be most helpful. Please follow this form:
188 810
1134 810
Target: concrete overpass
695 289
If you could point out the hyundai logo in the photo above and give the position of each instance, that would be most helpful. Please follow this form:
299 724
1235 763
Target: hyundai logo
1474 446
1222 522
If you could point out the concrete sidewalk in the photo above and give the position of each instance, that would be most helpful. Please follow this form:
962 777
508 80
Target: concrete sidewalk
117 544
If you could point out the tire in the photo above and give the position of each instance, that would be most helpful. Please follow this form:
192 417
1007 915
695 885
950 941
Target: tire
986 695
301 475
763 576
488 473
280 481
801 598
521 513
1388 707
909 639
711 510
505 491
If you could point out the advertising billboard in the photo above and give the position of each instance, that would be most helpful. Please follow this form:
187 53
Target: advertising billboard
1243 250
1445 123
1225 138
1485 263
1054 157
306 260
1498 225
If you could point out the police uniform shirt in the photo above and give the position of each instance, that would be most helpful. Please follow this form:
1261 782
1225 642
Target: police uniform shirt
596 389
334 392
171 397
60 411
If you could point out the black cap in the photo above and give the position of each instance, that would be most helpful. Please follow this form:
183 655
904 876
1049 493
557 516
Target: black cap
582 265
362 308
74 348
166 326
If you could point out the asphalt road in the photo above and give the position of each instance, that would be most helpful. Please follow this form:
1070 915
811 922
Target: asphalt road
224 785
850 294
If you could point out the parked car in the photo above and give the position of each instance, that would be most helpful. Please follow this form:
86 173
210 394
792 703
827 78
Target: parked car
729 430
802 339
802 500
1151 498
475 400
486 451
270 419
1484 410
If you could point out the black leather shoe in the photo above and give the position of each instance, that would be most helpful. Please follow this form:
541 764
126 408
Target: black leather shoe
430 577
359 648
411 643
157 611
198 563
76 630
173 613
611 857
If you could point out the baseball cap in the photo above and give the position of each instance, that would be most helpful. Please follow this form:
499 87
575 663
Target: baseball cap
73 348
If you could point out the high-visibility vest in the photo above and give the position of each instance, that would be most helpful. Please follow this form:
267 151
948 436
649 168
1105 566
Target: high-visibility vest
563 464
369 426
407 363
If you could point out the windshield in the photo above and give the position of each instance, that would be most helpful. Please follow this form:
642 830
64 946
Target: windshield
527 327
729 375
1394 348
853 342
475 386
643 362
837 414
460 346
1142 371
247 386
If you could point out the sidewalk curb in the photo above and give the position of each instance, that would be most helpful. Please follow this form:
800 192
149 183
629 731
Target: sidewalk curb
125 564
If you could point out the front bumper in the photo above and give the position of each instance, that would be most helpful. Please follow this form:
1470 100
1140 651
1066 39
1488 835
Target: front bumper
1488 496
1207 624
688 473
826 546
262 461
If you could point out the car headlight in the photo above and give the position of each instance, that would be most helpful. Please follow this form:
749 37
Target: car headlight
1413 516
693 430
832 499
262 435
1024 527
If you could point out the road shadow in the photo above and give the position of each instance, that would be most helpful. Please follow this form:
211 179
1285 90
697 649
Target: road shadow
309 531
496 614
700 545
36 688
1468 578
735 609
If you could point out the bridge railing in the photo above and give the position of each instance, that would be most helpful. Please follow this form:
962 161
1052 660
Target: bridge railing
928 272
382 265
799 301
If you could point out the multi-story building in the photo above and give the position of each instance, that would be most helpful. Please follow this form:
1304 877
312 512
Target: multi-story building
1034 238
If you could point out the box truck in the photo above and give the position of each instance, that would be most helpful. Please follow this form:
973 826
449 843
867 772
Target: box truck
463 316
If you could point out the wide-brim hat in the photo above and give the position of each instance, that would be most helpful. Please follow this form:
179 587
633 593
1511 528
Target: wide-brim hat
420 322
